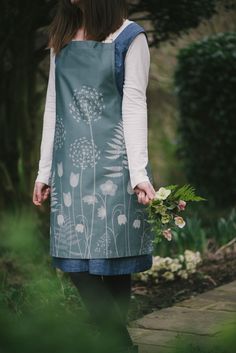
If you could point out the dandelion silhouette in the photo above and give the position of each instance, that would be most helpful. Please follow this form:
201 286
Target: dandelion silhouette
83 153
60 132
87 104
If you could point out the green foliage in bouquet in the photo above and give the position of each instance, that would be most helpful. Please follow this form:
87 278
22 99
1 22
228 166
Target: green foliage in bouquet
162 211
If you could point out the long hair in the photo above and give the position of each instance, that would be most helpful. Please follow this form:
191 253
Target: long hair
98 17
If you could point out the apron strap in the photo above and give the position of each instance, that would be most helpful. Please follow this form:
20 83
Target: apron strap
122 43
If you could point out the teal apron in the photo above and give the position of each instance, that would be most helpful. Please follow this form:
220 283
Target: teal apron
94 211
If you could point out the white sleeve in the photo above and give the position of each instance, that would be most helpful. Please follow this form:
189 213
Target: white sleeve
134 108
49 120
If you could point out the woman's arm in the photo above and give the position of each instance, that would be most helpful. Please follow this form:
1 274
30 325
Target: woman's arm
49 120
134 108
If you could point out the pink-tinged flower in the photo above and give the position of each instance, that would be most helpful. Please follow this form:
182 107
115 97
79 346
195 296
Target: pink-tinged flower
181 205
167 234
179 221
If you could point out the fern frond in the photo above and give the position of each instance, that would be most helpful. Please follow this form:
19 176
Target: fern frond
186 193
171 187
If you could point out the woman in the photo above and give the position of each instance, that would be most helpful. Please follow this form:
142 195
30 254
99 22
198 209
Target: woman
94 159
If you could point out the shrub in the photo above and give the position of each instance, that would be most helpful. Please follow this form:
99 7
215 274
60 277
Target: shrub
205 81
169 269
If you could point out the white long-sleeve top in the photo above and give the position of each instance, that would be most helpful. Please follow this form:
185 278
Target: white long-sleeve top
134 111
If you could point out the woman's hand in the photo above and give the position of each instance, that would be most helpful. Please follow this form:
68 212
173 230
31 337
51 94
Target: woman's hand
145 192
40 193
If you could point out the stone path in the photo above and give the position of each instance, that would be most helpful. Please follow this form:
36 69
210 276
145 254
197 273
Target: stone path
202 316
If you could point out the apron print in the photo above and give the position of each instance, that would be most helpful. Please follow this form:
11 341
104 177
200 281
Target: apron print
74 231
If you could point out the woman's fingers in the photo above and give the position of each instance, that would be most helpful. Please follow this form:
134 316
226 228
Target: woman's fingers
45 193
143 198
36 199
153 191
145 192
150 191
141 195
40 193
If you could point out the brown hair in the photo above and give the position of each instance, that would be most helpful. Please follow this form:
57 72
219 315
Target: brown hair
99 18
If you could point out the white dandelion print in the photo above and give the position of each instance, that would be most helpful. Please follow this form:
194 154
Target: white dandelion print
83 153
60 132
87 104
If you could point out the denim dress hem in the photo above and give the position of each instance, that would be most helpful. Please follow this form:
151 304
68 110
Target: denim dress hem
115 266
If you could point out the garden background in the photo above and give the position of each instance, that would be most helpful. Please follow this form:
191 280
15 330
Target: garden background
192 139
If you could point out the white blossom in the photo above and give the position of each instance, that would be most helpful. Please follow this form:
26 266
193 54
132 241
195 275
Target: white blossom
136 223
169 276
121 219
108 188
90 199
79 228
183 274
101 212
162 193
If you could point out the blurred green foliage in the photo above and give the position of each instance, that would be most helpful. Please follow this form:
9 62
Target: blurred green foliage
40 310
170 18
205 81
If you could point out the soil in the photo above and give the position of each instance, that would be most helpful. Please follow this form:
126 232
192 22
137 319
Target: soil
212 272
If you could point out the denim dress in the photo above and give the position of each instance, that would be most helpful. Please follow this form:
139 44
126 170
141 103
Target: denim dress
119 265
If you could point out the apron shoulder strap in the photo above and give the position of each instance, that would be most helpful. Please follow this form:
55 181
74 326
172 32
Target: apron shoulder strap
125 38
122 43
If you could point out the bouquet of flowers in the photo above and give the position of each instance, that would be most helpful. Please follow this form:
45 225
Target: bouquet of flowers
163 211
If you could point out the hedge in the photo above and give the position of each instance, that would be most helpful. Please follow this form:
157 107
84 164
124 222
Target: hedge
205 85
